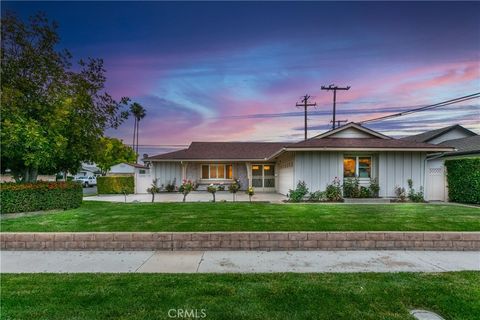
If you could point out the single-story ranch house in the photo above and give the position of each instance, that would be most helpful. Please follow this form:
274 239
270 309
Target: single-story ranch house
348 151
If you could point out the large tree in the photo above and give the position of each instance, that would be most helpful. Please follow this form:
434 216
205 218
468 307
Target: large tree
112 151
53 113
138 113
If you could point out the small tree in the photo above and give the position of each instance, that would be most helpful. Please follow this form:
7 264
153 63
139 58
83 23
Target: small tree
125 193
186 187
212 189
233 188
250 191
153 189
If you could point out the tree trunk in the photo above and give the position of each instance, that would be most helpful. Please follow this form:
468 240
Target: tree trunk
134 133
138 125
29 174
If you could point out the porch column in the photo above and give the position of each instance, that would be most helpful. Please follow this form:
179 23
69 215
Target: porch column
184 170
249 173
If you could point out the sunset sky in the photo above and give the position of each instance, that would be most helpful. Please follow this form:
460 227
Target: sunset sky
226 71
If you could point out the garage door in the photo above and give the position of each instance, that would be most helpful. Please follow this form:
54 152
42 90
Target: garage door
436 184
285 177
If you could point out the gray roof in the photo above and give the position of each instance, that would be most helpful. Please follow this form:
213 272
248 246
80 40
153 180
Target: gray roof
463 145
223 151
429 135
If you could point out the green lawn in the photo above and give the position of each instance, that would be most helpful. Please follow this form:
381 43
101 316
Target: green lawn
236 296
104 216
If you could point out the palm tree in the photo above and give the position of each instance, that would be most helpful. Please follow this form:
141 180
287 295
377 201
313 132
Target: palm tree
138 113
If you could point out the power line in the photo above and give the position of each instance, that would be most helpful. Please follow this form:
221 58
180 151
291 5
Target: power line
304 103
334 88
428 107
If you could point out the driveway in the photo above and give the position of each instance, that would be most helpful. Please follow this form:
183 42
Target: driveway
90 191
237 261
196 196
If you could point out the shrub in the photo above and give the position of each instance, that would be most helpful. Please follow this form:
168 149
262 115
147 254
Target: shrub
115 185
463 176
186 187
351 188
37 196
251 192
299 193
212 189
317 196
153 189
412 194
365 192
400 193
171 185
333 192
234 187
374 188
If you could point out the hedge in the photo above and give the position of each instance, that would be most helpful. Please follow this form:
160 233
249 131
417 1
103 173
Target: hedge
463 176
38 196
115 185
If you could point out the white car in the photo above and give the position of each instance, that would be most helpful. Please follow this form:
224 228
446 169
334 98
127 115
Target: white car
87 181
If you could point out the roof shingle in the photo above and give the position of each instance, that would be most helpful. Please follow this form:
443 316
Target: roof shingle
428 135
363 143
223 151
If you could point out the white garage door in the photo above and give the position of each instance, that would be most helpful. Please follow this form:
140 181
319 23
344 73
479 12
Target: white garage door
285 177
436 184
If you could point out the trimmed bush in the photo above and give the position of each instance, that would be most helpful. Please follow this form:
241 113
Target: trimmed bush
38 196
115 185
463 176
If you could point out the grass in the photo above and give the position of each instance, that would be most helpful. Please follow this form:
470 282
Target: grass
240 296
104 216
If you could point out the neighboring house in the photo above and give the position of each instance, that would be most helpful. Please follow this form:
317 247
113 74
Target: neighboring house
141 174
127 169
348 151
88 170
466 144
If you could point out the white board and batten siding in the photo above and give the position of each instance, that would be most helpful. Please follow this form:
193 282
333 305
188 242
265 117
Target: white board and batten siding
350 133
395 168
318 169
166 172
285 169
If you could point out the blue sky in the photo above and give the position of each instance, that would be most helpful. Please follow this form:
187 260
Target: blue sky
233 71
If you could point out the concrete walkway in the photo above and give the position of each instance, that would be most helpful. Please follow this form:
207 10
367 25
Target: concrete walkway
196 196
237 261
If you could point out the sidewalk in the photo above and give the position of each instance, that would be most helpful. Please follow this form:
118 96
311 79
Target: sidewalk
237 261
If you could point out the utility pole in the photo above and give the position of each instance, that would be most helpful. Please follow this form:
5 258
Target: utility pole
305 104
334 88
339 121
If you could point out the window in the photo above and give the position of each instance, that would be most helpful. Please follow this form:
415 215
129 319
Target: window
364 167
360 167
349 165
217 171
141 171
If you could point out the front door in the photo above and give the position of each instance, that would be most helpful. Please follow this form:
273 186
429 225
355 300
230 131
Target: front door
263 177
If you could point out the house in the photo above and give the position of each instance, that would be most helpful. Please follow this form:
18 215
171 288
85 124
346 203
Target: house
348 151
140 173
466 144
88 170
127 169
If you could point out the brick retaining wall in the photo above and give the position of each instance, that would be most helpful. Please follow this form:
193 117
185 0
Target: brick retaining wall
241 241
